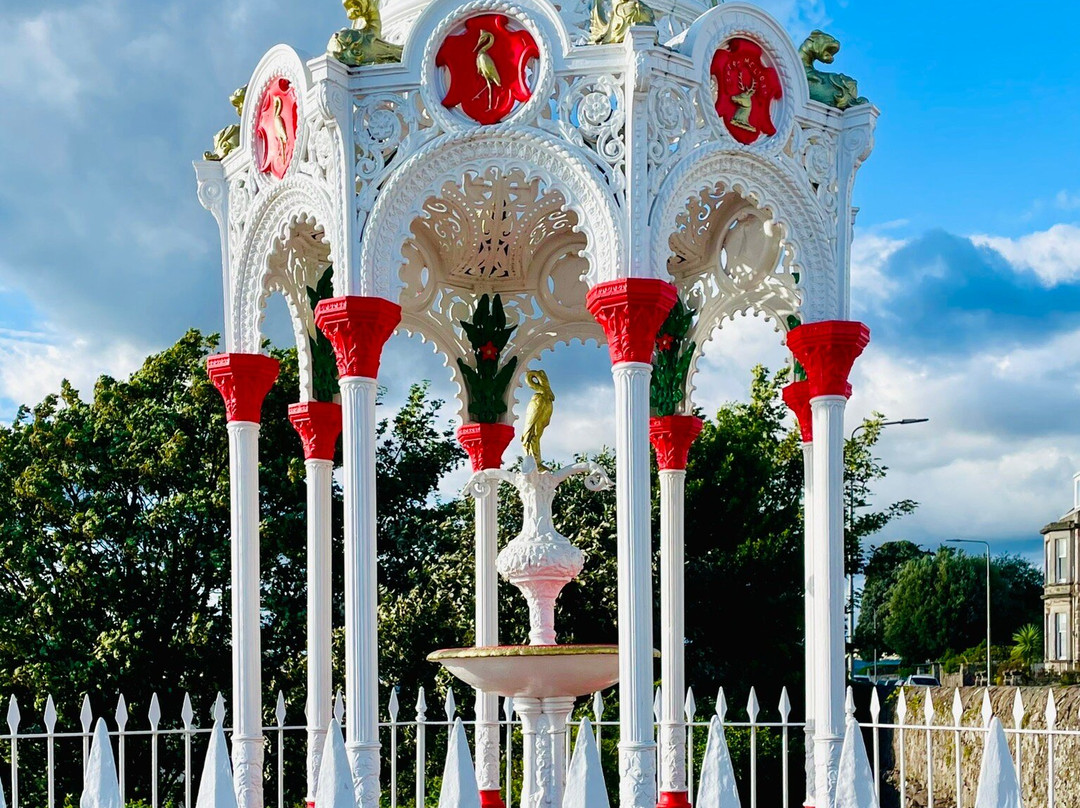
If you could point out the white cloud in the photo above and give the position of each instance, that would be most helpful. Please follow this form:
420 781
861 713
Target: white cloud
1053 255
33 363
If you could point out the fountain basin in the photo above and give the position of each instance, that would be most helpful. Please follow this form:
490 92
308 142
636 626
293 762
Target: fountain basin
533 671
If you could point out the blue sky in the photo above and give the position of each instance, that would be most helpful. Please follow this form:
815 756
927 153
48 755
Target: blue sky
967 259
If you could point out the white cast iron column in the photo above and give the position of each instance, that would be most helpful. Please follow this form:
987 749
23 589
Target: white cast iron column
797 397
358 327
319 424
827 351
244 380
631 311
671 437
485 444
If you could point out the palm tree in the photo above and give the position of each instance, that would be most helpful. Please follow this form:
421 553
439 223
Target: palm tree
1027 645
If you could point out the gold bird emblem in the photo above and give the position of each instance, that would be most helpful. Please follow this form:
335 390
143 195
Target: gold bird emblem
485 66
280 131
537 414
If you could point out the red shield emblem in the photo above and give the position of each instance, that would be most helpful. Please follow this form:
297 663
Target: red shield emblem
487 66
745 90
275 128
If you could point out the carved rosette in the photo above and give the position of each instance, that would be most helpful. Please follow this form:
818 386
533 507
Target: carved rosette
358 327
318 423
485 443
243 381
827 351
631 311
671 437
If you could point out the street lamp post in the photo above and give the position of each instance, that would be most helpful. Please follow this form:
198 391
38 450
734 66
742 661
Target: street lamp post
986 544
851 527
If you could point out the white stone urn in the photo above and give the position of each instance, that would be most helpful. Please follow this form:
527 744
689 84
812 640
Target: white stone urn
539 561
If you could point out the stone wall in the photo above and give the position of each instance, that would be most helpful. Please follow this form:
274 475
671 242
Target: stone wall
1033 753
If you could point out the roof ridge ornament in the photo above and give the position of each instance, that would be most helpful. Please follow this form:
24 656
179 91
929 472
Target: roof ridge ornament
615 24
834 89
228 139
362 43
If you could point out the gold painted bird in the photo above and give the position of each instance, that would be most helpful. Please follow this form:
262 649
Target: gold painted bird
279 124
485 65
537 414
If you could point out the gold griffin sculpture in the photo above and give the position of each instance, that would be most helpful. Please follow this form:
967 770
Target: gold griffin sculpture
537 414
228 139
362 44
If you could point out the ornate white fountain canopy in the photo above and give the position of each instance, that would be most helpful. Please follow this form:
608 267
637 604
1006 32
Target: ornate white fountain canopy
445 150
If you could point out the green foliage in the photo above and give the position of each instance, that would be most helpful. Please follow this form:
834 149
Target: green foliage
486 384
1027 647
881 571
938 603
324 370
671 361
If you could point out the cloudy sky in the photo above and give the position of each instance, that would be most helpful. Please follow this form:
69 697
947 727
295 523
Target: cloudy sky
967 258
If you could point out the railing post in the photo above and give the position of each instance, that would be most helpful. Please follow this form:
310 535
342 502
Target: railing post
121 724
875 718
958 714
86 718
928 719
421 747
187 715
393 708
901 716
689 711
1018 723
785 711
279 716
50 730
752 712
155 719
13 717
598 716
1051 722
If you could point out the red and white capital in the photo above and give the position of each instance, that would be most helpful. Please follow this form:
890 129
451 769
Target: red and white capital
827 351
243 380
631 311
358 328
318 423
485 443
671 437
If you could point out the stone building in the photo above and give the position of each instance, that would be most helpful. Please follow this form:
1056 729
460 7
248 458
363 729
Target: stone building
1061 593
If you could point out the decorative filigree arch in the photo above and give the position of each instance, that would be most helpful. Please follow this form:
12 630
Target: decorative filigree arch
496 232
293 206
783 203
449 158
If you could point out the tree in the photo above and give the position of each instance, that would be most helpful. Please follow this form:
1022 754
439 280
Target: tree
938 603
881 571
1027 645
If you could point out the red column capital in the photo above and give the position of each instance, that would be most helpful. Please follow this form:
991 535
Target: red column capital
318 423
631 311
358 328
243 379
671 437
827 351
797 396
485 443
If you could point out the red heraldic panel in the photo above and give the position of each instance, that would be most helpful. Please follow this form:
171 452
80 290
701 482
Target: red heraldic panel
745 90
488 66
275 128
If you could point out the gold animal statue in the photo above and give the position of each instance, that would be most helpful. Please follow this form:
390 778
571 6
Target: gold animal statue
537 414
485 65
362 44
835 89
280 132
744 102
613 27
228 139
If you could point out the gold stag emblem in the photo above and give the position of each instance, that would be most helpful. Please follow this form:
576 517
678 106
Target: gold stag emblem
485 65
745 102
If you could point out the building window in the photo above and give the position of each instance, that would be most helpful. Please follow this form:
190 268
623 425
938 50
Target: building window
1061 547
1061 636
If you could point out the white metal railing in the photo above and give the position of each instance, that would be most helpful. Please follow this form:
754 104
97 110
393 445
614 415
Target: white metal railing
931 755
